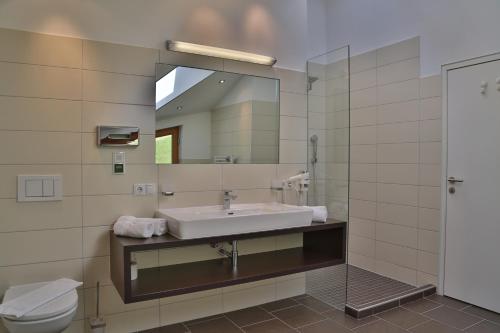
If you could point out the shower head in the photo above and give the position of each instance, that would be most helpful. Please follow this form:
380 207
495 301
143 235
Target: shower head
310 81
314 138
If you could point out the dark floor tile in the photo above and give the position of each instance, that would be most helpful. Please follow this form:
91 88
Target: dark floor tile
348 321
298 316
452 317
215 326
483 313
325 326
271 326
315 304
402 317
248 316
484 327
379 326
433 327
176 328
279 305
450 302
422 305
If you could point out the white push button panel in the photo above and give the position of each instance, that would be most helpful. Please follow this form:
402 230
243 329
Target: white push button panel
39 188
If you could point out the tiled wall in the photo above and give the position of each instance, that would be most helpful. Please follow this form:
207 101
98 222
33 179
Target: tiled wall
54 91
395 164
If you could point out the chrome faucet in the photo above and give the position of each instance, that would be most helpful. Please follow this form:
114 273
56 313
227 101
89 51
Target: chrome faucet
228 196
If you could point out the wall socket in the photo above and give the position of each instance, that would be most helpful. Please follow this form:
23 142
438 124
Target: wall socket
144 189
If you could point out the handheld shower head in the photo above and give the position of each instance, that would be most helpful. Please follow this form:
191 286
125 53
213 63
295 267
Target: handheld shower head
314 139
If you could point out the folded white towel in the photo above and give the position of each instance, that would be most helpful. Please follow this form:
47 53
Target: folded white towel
139 227
28 302
320 213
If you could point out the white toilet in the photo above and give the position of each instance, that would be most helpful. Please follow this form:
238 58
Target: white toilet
52 317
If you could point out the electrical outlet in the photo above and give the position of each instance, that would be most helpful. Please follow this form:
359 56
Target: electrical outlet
139 189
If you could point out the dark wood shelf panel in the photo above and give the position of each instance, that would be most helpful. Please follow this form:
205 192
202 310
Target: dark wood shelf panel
324 244
196 276
166 241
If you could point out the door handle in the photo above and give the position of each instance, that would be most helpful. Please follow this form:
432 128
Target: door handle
453 180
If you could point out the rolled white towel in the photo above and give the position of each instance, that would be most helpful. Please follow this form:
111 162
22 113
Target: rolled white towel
26 303
320 213
160 224
125 226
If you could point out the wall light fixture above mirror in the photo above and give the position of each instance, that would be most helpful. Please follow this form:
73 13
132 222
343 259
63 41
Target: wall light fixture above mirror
206 116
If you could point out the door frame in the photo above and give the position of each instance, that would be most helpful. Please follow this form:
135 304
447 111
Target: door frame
444 154
175 131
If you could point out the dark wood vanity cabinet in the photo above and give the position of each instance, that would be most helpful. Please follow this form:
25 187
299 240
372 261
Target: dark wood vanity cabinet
324 244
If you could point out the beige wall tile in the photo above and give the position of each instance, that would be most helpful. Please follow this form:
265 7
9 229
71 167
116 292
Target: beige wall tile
118 58
191 199
190 60
363 154
48 246
293 128
180 178
363 98
398 92
361 227
430 86
316 104
398 173
256 176
363 61
430 130
40 81
191 309
398 132
363 172
185 254
424 279
40 147
35 114
396 254
430 108
41 49
398 112
256 245
290 288
132 321
47 271
428 241
109 114
398 194
429 219
428 262
248 297
430 174
99 179
363 191
430 152
403 274
361 245
190 296
397 153
292 81
288 241
101 210
293 104
363 116
96 269
72 177
93 154
363 80
363 209
398 71
17 216
293 151
397 214
316 120
96 241
255 195
363 262
118 88
364 135
429 197
399 51
395 234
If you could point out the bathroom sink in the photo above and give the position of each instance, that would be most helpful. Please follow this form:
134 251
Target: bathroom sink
210 221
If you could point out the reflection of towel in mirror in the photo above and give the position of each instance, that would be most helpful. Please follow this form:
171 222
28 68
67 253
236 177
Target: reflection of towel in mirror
26 303
139 227
320 213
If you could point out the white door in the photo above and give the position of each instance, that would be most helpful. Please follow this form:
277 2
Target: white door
472 256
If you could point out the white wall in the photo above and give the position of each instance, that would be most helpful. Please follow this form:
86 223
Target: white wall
449 30
250 88
277 27
196 134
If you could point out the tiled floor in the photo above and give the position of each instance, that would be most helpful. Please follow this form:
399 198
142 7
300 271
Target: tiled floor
305 314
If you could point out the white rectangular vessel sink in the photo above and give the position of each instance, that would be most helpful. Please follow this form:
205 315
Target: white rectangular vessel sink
209 221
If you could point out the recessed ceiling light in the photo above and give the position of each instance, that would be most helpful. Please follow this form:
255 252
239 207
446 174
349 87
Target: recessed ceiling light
179 108
222 81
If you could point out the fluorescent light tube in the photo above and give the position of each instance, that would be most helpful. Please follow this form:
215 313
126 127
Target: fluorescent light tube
220 53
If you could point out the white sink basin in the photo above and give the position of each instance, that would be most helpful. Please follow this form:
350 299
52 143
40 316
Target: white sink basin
209 221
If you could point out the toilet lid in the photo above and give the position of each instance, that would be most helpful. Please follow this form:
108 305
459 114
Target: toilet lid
53 308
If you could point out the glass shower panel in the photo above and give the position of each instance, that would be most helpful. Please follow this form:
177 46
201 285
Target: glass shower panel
328 158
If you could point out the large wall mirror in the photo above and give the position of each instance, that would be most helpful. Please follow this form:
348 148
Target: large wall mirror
205 116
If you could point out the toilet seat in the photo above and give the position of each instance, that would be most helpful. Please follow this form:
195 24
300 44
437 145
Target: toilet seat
58 306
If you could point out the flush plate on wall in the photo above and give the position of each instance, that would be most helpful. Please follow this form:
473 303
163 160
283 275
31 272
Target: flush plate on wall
39 188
